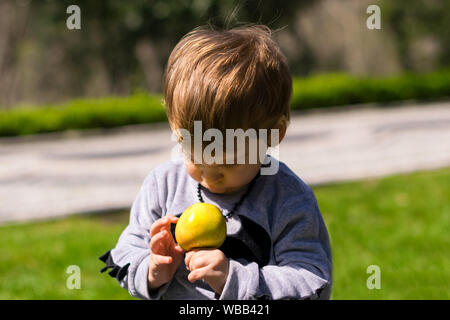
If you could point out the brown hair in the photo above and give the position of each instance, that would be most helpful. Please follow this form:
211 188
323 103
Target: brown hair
236 78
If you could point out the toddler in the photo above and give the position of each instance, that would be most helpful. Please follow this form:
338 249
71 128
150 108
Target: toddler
277 245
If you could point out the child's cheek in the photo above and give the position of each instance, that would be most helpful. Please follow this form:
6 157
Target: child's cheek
236 179
194 172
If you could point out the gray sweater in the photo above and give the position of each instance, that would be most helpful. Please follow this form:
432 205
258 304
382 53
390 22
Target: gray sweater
287 256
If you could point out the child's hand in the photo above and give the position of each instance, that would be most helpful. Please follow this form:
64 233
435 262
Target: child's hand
165 254
210 265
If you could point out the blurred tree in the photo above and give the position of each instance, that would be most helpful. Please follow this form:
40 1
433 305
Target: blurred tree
112 31
422 31
124 45
13 27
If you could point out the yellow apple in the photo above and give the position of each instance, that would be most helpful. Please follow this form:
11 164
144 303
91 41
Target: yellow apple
202 225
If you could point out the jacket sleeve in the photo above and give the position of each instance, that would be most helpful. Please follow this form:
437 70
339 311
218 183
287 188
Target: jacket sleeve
302 268
130 257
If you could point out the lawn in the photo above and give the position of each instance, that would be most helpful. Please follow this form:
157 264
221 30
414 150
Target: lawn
400 224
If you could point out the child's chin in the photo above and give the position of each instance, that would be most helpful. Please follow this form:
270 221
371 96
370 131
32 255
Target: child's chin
219 190
216 190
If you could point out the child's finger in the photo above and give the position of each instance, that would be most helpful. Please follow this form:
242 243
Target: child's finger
157 242
198 274
178 248
188 258
196 259
162 223
158 225
172 218
159 260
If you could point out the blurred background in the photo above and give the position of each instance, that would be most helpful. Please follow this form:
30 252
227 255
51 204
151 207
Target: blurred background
123 47
82 123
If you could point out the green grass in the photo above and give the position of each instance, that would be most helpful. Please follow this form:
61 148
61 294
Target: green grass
35 258
316 91
399 223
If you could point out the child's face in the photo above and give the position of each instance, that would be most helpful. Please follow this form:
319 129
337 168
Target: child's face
224 178
228 178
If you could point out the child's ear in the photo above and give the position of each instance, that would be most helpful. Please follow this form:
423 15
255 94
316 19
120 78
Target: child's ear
282 128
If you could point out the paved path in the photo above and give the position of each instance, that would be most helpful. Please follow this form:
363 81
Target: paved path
53 175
